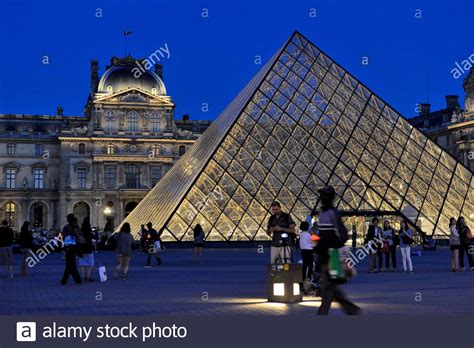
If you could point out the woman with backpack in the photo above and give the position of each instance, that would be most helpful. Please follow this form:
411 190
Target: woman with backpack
406 240
26 244
465 237
333 235
198 242
123 250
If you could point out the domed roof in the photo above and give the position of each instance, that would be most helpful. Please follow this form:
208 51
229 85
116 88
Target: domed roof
128 73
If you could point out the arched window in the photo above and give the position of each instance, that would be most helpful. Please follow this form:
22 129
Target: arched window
132 176
132 121
182 150
37 213
10 213
155 121
110 149
110 122
82 149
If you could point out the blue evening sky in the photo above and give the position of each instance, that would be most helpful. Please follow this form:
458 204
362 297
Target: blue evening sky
213 58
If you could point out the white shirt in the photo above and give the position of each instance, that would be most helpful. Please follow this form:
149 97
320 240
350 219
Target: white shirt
306 243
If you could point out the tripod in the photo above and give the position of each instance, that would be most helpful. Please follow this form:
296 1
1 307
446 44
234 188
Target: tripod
287 253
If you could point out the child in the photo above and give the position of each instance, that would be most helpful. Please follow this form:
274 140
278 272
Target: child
306 245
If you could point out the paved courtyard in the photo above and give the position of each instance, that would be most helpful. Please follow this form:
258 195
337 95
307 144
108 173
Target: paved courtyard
231 281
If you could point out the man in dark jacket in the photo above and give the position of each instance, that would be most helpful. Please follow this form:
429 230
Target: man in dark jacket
70 233
26 244
6 251
153 245
333 235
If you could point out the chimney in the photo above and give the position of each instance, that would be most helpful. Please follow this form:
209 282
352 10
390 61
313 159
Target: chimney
424 109
94 75
159 70
452 101
185 117
60 110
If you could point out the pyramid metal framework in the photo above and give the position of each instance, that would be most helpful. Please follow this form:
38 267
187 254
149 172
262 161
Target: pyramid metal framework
303 122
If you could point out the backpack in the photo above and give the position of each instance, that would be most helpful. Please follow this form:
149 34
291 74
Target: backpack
331 220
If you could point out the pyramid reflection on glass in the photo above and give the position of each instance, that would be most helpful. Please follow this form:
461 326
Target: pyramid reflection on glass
303 122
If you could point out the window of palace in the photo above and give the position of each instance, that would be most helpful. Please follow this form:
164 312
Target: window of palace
110 149
82 149
155 122
155 174
132 121
38 178
155 150
110 177
182 150
39 149
110 125
81 174
132 176
38 214
10 213
10 149
10 176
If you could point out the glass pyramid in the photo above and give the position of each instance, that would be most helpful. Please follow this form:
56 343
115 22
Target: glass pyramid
303 122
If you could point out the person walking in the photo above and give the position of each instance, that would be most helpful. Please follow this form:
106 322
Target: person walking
26 244
282 229
86 251
123 251
354 237
465 237
198 243
390 246
6 250
71 234
406 240
333 235
153 245
307 246
454 245
372 241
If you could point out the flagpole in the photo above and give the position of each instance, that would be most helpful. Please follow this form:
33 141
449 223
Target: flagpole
126 33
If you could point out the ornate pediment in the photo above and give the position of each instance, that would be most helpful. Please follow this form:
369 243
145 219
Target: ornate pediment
134 95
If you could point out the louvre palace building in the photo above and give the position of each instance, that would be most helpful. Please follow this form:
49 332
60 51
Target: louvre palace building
100 164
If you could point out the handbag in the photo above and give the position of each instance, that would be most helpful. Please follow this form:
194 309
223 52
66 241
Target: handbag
385 247
468 234
396 239
69 240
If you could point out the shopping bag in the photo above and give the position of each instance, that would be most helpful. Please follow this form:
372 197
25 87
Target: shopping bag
336 270
102 273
